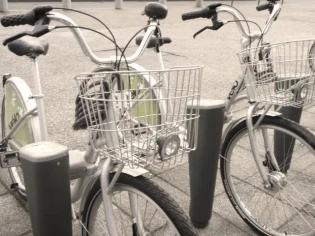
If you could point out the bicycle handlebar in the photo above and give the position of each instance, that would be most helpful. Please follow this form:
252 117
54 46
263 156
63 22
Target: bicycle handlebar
207 12
87 51
214 9
29 18
196 14
15 20
43 16
263 7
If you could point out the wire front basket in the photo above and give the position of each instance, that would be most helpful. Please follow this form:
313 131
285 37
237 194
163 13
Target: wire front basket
281 74
142 118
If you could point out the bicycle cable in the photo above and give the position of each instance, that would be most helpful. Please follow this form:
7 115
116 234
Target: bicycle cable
260 41
95 31
125 48
250 42
84 13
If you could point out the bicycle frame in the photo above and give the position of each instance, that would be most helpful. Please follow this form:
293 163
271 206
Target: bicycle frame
87 51
91 157
240 85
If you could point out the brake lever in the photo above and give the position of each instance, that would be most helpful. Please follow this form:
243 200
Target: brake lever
17 36
37 32
200 31
216 25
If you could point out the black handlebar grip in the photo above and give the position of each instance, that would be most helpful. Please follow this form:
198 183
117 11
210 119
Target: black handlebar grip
15 20
204 13
263 7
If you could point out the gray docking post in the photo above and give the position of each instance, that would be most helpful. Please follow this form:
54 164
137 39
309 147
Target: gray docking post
46 174
203 162
284 144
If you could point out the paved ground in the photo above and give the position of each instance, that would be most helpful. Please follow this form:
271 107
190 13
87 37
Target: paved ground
215 50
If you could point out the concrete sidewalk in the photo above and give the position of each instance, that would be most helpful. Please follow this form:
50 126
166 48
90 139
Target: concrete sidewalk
215 50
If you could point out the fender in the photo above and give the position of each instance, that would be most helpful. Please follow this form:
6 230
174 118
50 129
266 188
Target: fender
17 102
127 170
232 124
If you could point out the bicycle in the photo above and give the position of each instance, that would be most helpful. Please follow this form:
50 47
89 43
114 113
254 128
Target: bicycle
266 161
135 118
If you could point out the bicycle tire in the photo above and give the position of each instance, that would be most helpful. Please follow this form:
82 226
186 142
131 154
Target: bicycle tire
276 211
147 190
30 135
13 171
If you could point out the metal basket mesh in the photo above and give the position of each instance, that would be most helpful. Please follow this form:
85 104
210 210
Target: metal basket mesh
283 73
142 118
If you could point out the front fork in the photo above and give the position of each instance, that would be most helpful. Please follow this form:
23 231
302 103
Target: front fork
267 145
107 190
107 186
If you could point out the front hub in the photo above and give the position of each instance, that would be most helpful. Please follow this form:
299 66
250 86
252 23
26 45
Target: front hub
278 180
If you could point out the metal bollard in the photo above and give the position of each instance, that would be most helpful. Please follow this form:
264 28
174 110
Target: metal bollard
119 4
162 2
66 4
203 162
199 3
46 174
4 6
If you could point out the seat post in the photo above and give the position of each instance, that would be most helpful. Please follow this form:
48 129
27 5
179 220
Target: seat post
38 96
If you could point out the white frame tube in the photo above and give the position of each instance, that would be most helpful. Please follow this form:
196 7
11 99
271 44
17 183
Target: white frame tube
86 49
40 101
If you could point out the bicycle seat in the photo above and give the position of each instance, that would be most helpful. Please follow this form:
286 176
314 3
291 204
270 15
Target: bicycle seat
152 42
29 46
155 10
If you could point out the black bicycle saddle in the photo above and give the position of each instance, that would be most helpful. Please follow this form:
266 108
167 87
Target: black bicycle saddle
155 10
29 46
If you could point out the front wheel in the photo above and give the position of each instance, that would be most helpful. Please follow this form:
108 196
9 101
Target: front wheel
154 211
288 206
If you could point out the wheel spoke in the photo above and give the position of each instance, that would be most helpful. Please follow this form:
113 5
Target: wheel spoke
287 207
130 205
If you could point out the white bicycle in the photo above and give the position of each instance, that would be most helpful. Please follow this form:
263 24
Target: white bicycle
135 119
267 162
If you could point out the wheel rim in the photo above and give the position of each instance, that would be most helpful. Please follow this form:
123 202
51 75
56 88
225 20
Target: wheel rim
154 220
285 212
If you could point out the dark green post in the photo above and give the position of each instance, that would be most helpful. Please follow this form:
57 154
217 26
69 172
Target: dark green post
284 144
203 162
46 174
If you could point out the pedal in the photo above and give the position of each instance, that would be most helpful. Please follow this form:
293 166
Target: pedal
10 159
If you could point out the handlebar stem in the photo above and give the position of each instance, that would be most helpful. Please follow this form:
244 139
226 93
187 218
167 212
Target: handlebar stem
86 49
273 16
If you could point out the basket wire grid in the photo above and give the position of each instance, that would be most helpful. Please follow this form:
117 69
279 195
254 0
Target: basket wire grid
132 115
283 73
